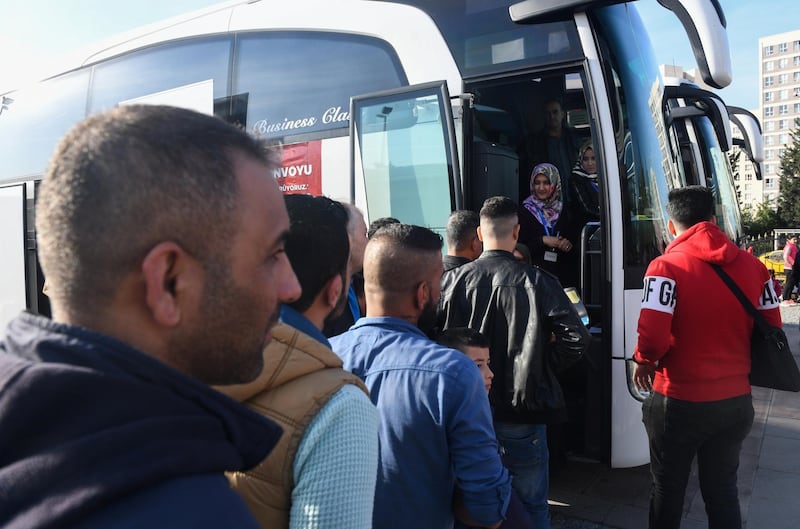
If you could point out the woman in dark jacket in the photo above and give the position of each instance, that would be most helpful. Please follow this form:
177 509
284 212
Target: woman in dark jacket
545 227
583 185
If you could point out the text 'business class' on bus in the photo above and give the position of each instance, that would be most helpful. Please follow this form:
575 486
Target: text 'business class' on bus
412 110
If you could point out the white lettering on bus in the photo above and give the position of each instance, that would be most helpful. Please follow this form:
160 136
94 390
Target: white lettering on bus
332 115
335 115
294 171
293 187
263 126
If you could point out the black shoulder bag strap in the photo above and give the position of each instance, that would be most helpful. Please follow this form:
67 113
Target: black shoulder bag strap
772 364
758 318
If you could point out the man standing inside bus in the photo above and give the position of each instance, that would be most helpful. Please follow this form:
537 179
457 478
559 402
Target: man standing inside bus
161 233
556 144
693 355
534 332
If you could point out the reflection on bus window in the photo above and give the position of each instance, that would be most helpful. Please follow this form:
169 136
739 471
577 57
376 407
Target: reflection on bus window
405 160
151 70
641 138
294 89
40 115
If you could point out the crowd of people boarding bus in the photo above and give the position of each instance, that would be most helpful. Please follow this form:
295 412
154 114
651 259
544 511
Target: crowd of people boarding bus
221 355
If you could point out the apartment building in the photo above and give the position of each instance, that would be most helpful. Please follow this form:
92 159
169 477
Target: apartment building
779 91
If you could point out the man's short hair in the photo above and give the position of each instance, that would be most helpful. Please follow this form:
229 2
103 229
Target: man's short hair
397 254
499 216
462 337
123 181
689 205
317 244
379 223
462 228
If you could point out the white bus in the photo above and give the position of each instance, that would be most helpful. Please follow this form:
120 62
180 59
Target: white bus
444 95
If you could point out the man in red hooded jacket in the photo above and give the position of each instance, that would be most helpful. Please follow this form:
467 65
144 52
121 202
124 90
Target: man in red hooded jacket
693 354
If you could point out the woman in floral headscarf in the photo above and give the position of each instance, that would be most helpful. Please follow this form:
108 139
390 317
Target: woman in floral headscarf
545 227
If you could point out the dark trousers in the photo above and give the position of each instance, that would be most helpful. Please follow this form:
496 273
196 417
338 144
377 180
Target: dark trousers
680 430
789 282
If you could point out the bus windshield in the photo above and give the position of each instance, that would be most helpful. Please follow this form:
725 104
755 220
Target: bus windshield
483 38
640 133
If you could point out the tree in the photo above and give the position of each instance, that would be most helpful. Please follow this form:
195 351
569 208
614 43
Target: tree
762 220
789 199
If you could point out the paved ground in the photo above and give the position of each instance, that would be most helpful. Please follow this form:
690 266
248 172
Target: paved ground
588 495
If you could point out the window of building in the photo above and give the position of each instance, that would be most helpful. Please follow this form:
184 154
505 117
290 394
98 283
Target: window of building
769 80
747 187
783 95
768 154
769 140
769 168
783 124
797 92
781 152
796 77
783 47
782 139
797 108
783 78
769 51
769 183
747 196
796 45
783 63
769 96
783 109
769 65
769 112
769 126
797 60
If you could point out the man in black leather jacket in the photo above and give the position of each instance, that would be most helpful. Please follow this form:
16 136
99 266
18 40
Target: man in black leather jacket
534 333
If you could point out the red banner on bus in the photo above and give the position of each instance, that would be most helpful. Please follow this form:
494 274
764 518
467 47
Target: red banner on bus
301 169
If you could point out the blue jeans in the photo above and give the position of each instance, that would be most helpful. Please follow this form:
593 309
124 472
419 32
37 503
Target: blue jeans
524 450
713 431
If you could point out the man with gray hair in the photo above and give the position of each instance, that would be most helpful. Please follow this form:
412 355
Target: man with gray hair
463 244
357 236
161 233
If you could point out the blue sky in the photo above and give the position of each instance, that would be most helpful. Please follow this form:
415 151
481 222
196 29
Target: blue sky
747 22
34 33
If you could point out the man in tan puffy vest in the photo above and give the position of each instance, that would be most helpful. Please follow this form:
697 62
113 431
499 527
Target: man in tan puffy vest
323 471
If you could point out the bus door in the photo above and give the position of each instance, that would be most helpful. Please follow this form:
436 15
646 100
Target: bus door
12 240
510 118
404 157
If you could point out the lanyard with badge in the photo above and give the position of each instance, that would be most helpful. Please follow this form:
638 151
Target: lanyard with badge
549 255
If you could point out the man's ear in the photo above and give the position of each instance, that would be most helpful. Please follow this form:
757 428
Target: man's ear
167 271
476 246
480 234
671 228
516 232
333 290
421 295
